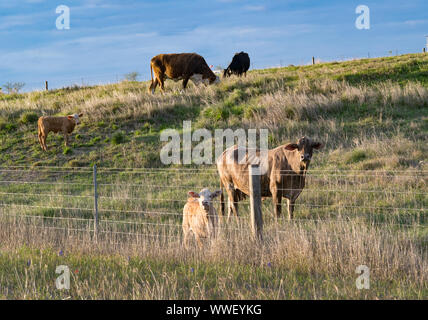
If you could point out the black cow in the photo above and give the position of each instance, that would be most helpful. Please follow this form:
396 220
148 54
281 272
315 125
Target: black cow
239 65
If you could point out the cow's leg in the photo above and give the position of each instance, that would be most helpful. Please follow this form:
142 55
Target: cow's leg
290 204
229 201
276 199
153 85
65 138
198 240
235 203
185 81
229 206
41 139
161 81
186 237
45 147
232 205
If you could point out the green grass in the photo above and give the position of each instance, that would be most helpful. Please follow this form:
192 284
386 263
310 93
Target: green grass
346 103
33 272
371 114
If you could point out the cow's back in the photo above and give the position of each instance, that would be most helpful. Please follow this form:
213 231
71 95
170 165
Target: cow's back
181 65
55 124
240 62
235 172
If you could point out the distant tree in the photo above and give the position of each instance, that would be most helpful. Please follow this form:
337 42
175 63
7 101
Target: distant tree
219 68
132 76
13 87
8 86
17 86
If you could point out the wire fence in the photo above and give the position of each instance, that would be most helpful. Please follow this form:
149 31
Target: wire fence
148 203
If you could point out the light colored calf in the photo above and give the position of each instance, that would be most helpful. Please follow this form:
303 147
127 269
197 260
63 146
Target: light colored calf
200 216
56 124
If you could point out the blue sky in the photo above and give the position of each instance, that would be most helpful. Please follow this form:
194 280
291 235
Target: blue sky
109 38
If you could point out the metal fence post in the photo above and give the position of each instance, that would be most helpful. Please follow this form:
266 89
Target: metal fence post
95 202
256 202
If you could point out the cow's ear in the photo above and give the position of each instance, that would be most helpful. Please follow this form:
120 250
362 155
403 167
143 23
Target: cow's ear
291 146
81 115
70 117
317 145
193 194
216 193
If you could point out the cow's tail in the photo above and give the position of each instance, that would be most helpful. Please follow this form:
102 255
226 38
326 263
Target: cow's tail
151 74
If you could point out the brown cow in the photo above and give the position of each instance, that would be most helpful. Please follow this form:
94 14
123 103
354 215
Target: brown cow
180 66
200 216
65 125
283 174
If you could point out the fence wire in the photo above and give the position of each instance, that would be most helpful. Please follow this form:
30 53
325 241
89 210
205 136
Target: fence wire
149 202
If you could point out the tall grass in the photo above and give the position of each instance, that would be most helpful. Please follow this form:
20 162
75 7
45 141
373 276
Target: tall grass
365 200
301 261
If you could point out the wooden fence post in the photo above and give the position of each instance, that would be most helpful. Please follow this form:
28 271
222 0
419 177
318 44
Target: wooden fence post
424 50
256 202
96 220
313 60
46 86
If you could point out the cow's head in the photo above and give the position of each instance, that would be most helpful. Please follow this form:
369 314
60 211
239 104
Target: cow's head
304 148
75 117
227 73
205 198
213 80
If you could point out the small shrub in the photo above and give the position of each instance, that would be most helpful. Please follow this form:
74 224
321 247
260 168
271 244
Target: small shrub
147 128
117 107
3 124
66 150
7 126
355 156
76 163
92 142
28 117
101 124
118 138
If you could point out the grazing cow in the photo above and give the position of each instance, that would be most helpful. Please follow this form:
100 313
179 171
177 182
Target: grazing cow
200 216
283 174
48 124
239 65
180 66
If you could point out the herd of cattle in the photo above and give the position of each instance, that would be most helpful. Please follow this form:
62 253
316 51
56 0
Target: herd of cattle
283 176
285 167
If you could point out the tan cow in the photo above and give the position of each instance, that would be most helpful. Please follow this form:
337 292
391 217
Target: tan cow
200 216
283 174
65 125
180 66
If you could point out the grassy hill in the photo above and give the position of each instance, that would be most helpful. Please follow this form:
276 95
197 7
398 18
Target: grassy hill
371 114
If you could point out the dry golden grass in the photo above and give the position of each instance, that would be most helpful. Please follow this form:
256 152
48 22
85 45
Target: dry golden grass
370 114
297 260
